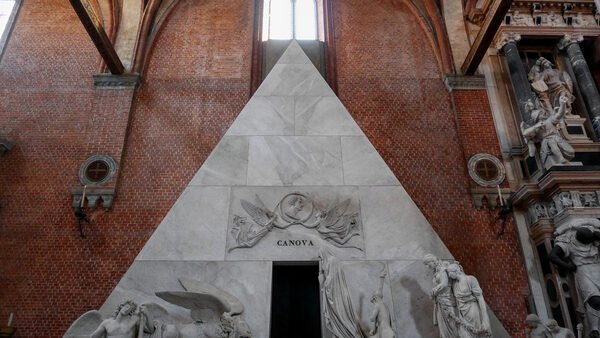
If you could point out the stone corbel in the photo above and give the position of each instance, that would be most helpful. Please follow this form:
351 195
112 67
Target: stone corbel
5 146
506 37
92 196
488 197
569 39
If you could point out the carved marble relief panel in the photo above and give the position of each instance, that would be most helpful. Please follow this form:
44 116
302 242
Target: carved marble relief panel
293 223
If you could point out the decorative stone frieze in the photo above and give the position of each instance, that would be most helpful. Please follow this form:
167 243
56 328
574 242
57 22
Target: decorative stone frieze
562 202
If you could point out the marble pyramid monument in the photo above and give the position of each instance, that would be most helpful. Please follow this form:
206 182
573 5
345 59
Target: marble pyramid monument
293 175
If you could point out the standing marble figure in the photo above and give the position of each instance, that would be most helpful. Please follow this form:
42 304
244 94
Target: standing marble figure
576 250
444 312
337 308
554 149
473 319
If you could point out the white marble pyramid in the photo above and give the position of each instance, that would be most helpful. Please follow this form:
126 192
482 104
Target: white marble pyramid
296 159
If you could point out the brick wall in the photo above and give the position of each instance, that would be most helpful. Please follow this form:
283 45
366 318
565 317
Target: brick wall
196 81
390 82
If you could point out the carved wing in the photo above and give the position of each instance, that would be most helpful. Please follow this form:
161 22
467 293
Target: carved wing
204 307
85 325
192 285
334 214
261 216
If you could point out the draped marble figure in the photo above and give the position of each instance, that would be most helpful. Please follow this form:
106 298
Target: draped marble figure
444 304
472 314
338 311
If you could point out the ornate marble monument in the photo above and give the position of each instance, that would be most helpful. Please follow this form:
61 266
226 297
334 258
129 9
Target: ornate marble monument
293 179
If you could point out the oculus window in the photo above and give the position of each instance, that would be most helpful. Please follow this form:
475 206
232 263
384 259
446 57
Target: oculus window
290 19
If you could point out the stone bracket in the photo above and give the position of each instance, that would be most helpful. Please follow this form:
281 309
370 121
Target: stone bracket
113 81
93 195
488 197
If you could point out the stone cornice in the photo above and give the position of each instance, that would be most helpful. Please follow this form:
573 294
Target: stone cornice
562 178
111 81
464 82
546 32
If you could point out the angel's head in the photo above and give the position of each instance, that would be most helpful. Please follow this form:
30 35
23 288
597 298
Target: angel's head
454 271
127 308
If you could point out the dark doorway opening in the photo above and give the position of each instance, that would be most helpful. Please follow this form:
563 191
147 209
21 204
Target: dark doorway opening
295 305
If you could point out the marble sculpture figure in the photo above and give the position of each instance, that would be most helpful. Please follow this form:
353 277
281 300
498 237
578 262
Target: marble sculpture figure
536 328
550 85
338 312
554 149
380 316
472 314
213 313
557 331
459 308
443 300
576 250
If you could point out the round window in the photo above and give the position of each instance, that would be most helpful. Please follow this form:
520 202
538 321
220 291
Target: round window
96 170
486 170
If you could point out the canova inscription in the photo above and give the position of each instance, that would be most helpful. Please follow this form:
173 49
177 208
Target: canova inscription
334 222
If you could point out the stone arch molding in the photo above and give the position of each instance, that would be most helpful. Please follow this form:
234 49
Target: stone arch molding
132 26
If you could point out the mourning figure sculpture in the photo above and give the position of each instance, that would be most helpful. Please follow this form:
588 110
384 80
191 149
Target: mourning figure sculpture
536 328
472 314
213 313
381 318
338 312
576 250
545 130
459 307
444 304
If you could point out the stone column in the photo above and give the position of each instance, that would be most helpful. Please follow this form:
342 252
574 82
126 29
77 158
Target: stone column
585 80
507 43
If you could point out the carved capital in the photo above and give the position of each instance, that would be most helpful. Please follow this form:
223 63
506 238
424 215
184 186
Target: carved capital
505 38
569 39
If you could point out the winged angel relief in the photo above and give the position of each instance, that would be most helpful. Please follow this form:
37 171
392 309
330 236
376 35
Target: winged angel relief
333 224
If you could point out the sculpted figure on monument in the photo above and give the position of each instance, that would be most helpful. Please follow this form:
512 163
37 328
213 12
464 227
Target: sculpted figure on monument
213 313
444 304
126 322
381 317
339 314
550 84
536 328
472 314
554 149
576 250
557 331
